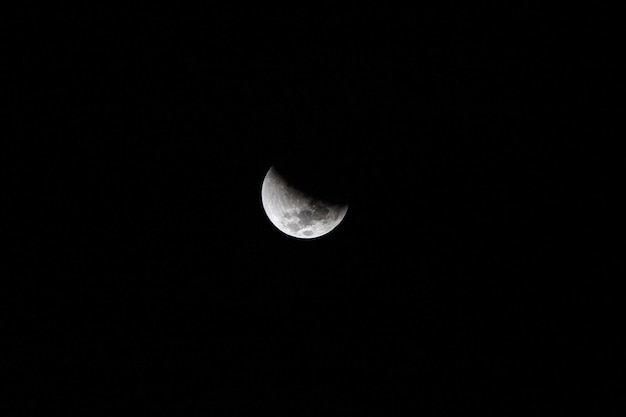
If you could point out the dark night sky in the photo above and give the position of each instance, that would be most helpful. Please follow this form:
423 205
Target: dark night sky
473 273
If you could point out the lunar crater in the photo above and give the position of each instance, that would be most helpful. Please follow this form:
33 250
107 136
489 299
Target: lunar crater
295 213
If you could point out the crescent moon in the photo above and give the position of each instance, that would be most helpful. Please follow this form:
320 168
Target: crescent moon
295 213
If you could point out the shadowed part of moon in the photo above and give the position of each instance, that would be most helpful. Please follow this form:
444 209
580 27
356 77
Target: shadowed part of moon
295 213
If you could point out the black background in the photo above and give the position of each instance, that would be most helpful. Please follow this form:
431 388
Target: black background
473 274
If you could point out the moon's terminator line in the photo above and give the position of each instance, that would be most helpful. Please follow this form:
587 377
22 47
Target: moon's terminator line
295 213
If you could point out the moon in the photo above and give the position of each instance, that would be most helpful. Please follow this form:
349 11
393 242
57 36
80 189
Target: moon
294 212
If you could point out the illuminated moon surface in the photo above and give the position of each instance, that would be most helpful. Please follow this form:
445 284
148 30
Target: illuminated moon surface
294 212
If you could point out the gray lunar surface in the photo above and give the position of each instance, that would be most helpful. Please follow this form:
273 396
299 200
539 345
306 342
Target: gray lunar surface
295 213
